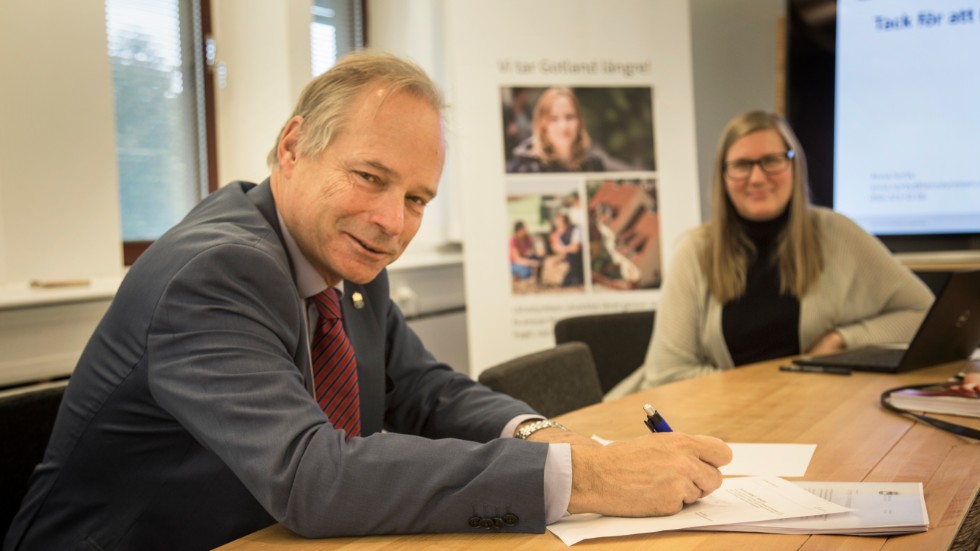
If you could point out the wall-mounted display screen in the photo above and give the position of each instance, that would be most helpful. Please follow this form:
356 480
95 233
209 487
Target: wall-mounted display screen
907 115
885 96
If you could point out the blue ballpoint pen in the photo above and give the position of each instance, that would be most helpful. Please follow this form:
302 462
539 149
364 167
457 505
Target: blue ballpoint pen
654 421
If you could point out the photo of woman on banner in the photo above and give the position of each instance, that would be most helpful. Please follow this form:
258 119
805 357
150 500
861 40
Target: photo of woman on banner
559 141
580 129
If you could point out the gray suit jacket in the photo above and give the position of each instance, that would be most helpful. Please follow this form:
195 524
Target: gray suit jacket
189 420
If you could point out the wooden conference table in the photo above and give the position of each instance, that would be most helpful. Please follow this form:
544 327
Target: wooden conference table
856 441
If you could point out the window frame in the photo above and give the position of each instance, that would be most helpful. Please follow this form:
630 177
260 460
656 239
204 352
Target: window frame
133 249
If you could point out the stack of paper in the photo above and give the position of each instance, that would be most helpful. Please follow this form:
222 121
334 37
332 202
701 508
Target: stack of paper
939 399
877 509
772 505
739 500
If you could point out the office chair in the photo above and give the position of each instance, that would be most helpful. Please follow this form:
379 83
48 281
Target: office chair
26 418
553 381
618 341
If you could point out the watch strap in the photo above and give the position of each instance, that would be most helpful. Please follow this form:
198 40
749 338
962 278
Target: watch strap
526 430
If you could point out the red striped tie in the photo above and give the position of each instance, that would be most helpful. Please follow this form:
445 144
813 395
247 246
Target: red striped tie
335 367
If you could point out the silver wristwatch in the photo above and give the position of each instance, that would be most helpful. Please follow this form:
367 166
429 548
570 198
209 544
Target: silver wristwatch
527 430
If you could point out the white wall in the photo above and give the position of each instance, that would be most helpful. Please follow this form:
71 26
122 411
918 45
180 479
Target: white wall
734 52
263 49
414 30
59 201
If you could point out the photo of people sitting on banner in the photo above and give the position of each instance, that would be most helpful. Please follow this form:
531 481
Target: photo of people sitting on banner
546 245
610 243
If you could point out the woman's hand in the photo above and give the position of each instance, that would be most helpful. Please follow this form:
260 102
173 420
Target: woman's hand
830 342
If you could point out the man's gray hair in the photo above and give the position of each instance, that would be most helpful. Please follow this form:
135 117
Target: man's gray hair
325 102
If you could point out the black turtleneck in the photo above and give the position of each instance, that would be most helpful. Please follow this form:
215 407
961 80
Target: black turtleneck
762 324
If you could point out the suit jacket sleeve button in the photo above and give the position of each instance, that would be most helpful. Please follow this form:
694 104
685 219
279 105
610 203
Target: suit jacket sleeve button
486 523
498 522
474 522
510 519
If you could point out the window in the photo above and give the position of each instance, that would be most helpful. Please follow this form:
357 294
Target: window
336 29
163 92
155 48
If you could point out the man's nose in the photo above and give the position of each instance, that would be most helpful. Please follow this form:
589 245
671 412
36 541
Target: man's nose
389 213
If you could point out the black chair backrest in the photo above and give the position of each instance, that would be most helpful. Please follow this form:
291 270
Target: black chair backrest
553 381
618 341
26 418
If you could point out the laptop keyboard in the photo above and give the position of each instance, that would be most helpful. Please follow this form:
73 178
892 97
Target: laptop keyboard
870 356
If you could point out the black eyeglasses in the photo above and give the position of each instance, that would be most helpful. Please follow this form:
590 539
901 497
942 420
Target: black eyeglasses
774 164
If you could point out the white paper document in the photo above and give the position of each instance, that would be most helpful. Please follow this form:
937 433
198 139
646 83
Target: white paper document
879 508
769 459
739 500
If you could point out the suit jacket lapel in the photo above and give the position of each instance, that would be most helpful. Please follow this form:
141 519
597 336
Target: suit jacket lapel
261 196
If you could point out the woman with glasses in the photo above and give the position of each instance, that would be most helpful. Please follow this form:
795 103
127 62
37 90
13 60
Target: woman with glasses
770 275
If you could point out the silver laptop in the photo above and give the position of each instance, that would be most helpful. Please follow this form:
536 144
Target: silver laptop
950 332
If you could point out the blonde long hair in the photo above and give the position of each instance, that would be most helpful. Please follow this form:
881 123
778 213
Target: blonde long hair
543 148
725 258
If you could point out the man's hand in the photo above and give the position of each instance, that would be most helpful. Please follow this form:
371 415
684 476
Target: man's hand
653 475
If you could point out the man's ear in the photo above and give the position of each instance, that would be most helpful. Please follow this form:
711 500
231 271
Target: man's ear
288 150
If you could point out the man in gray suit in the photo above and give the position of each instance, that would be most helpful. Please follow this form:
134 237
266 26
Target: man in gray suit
190 419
